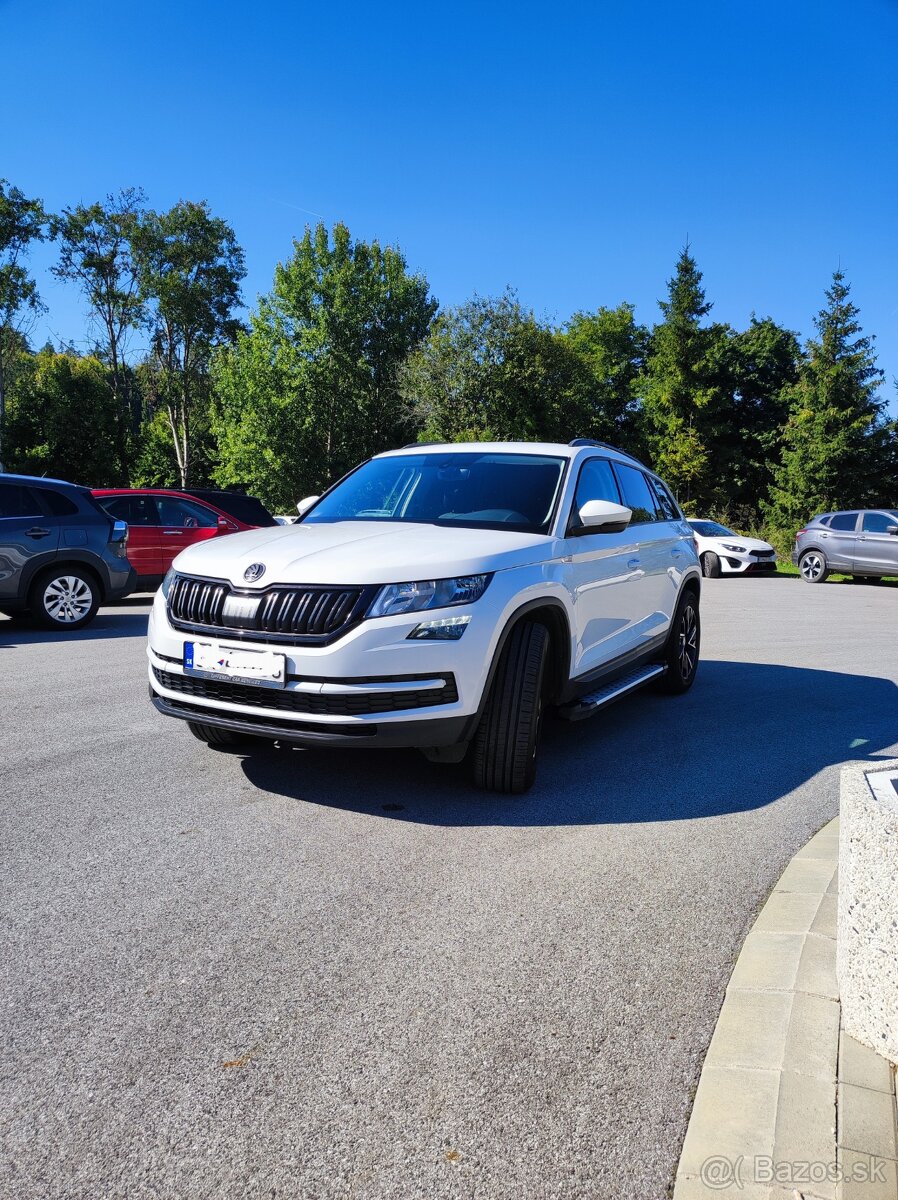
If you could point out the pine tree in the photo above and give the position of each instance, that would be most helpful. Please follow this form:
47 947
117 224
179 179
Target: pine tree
837 447
684 388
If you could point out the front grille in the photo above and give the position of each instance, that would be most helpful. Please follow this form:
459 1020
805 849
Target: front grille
763 553
298 615
351 704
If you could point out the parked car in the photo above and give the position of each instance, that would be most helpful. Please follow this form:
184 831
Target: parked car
723 552
61 555
248 511
860 542
439 597
161 522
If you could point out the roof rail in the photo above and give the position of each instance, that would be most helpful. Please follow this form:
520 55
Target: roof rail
605 446
412 445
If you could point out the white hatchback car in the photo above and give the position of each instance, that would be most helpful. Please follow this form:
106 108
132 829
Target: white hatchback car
723 552
438 596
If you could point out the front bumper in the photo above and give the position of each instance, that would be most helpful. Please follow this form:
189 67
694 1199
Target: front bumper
746 564
370 687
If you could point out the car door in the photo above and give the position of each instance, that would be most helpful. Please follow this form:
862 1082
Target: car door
877 549
602 576
140 514
27 535
659 548
183 523
839 540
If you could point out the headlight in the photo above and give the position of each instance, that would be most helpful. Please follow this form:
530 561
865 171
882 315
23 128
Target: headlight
167 582
397 598
735 549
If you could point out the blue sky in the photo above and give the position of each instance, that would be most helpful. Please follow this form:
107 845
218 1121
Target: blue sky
567 149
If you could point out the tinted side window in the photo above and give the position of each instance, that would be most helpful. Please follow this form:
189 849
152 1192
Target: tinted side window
878 522
666 502
637 495
133 510
596 482
844 521
18 501
56 503
185 514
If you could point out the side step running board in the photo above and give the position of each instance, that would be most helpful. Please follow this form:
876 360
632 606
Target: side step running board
585 706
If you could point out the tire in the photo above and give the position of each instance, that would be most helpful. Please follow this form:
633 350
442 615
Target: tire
683 647
710 565
65 597
505 744
212 735
812 566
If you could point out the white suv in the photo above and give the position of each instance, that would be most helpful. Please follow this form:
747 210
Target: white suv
438 596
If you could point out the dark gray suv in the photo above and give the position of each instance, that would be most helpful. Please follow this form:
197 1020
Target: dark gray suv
860 542
61 555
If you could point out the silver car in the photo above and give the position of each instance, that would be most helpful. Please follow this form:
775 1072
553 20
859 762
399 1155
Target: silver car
862 542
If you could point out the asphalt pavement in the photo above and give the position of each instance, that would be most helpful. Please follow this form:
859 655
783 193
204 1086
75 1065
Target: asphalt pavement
310 974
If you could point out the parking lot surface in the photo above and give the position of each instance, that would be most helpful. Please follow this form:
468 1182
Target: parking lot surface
315 974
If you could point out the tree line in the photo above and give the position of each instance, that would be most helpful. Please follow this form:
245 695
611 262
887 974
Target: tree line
349 354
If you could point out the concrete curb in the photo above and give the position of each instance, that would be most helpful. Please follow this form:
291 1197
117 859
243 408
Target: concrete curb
764 1122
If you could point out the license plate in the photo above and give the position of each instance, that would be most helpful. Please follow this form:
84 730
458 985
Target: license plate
211 660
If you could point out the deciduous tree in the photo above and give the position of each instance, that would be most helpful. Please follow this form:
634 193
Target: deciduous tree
22 221
189 268
312 387
96 252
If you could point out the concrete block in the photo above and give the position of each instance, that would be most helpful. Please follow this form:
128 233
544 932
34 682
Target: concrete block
867 955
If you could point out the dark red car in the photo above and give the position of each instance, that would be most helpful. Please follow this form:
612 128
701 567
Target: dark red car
161 522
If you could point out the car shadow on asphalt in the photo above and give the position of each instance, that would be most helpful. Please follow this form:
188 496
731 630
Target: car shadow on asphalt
20 631
745 735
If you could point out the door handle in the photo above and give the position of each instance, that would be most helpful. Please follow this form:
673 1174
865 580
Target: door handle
632 564
37 532
676 553
172 532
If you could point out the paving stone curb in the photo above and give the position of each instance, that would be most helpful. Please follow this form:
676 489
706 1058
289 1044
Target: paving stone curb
787 1104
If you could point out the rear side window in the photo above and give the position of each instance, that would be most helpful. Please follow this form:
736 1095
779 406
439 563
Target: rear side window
879 522
185 514
846 522
18 501
596 482
637 495
666 502
133 510
57 504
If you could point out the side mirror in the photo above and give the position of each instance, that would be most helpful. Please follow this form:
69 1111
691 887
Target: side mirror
893 529
601 516
225 526
305 504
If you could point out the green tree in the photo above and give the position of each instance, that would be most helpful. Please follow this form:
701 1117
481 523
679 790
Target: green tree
684 389
838 450
189 269
761 364
62 420
613 346
312 387
96 253
22 221
488 370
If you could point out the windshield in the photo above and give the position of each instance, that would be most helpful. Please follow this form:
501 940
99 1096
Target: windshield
711 529
470 489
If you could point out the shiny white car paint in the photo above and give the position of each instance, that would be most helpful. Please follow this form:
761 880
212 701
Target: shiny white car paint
717 545
618 591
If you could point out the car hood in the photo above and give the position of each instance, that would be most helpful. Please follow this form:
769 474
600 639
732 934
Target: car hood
736 540
361 552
